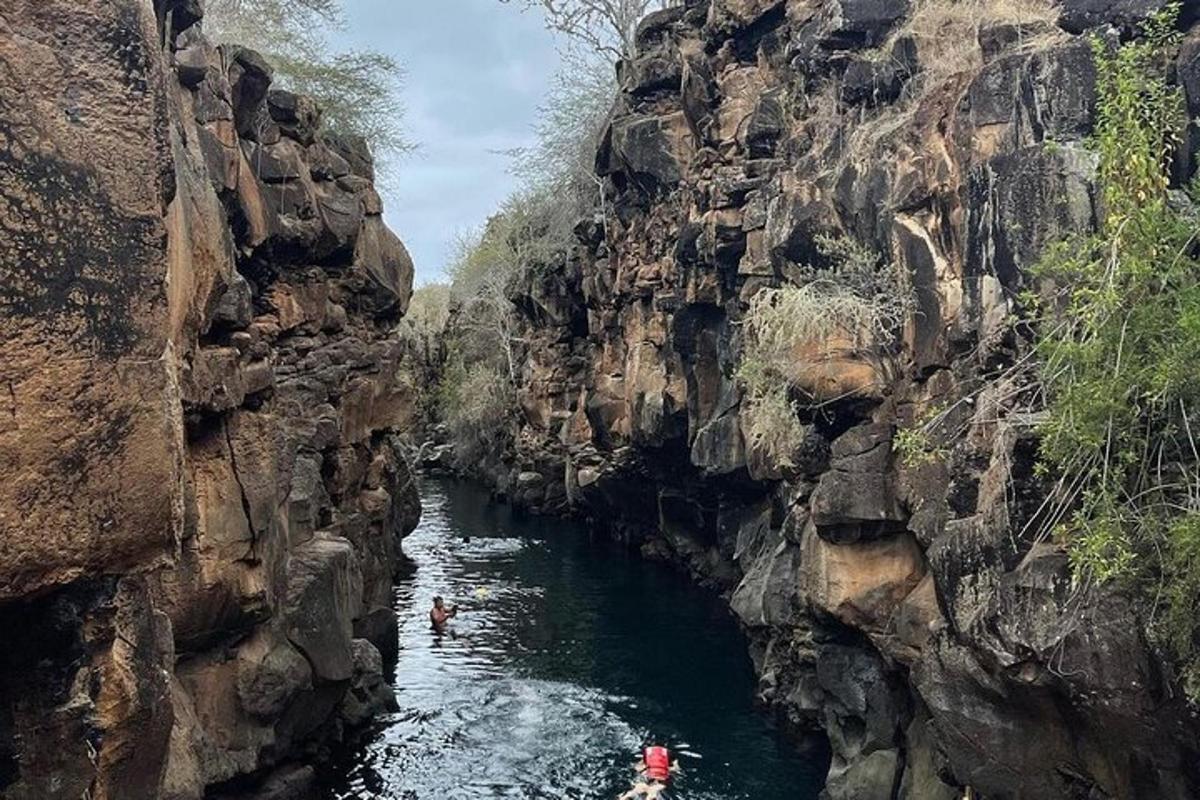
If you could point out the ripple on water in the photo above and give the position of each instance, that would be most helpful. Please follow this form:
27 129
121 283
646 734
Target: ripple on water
566 658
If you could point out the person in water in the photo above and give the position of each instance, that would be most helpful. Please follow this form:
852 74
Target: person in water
439 615
653 772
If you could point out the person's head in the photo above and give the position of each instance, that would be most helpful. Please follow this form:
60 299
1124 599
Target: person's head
438 602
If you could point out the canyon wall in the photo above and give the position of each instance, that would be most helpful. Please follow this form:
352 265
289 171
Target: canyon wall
202 496
909 610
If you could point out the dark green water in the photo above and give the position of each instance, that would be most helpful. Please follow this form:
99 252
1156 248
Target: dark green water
568 655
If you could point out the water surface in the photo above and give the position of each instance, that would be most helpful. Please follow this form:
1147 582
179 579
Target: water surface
568 655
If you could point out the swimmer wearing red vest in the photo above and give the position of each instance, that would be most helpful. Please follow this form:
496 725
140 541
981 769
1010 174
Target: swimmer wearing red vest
653 772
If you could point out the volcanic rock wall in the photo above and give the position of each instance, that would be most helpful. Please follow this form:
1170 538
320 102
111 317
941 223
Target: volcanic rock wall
912 613
201 499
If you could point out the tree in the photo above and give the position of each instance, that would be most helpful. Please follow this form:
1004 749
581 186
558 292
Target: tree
534 229
562 161
358 91
529 231
603 27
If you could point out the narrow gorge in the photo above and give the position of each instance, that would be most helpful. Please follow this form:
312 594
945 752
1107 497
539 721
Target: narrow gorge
213 415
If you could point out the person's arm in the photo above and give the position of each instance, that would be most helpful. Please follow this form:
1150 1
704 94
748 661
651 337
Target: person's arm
453 611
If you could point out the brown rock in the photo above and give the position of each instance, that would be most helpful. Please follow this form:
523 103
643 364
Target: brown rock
861 584
162 489
85 370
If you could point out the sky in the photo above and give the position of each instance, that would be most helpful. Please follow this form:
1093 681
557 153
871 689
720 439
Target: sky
476 72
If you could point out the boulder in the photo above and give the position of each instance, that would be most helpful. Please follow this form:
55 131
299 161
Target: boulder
369 693
769 593
872 777
386 263
296 115
235 309
249 81
863 710
1078 16
269 676
731 16
856 499
861 584
653 151
324 595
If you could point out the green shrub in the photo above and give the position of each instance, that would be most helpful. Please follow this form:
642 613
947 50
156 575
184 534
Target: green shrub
1119 347
476 402
914 444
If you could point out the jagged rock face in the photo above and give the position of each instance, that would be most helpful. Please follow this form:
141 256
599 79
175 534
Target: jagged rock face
203 497
909 611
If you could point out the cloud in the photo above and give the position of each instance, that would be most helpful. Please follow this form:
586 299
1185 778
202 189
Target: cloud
476 72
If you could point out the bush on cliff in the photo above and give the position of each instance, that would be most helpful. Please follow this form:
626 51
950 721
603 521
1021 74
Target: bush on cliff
422 330
357 91
531 230
534 229
1120 354
857 303
476 391
476 402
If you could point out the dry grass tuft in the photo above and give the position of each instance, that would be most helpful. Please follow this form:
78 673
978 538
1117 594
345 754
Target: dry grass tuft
947 31
772 427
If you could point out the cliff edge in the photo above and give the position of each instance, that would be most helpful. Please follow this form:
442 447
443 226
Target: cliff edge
910 610
202 499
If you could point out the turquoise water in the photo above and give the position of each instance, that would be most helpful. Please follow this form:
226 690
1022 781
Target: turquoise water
568 655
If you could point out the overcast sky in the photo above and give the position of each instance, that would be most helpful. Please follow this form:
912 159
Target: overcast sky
477 70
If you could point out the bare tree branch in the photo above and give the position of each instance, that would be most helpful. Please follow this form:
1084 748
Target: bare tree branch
605 27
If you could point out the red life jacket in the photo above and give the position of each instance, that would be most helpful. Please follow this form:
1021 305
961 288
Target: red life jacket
658 763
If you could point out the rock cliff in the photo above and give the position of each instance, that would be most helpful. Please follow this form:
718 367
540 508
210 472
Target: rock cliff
201 499
906 609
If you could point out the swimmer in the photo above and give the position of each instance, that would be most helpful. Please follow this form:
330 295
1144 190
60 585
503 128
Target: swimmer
653 772
439 615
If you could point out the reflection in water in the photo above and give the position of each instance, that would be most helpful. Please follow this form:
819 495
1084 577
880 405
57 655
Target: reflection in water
566 657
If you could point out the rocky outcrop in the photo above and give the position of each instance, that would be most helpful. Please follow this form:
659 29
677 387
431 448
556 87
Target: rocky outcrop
202 496
908 610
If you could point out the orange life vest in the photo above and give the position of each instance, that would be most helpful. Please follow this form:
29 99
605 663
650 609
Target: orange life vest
658 763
